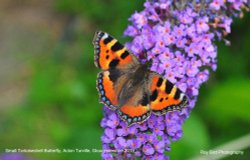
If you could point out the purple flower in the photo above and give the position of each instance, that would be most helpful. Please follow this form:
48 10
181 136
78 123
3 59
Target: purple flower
185 19
105 139
151 122
226 24
13 156
202 24
158 130
166 54
142 138
131 31
124 130
142 127
134 144
139 19
107 156
120 142
165 64
181 43
180 31
160 157
191 49
113 121
137 46
148 149
110 133
171 76
216 4
191 30
180 40
169 39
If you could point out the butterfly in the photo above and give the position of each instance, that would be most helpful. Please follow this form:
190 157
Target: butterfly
128 86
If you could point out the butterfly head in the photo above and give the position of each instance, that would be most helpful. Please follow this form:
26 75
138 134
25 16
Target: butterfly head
149 63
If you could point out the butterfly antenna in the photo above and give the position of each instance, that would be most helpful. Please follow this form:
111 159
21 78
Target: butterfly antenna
149 63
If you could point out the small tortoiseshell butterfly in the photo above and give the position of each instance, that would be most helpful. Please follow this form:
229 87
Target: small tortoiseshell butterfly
128 86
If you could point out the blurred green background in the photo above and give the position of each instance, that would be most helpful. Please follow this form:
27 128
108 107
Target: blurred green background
48 97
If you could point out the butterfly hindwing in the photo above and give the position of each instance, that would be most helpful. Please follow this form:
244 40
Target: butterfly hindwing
134 114
109 85
165 96
110 53
106 90
137 109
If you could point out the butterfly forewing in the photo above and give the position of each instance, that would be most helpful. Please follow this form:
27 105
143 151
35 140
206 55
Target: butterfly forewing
109 53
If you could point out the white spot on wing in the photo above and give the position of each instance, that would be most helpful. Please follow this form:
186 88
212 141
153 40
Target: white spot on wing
105 36
181 96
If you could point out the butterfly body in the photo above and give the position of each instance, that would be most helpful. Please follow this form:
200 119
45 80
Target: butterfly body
138 77
128 86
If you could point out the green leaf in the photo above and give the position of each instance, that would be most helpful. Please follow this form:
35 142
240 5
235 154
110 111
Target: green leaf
195 138
229 101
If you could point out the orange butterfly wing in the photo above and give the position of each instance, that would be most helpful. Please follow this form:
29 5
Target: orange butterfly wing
134 114
112 57
106 89
135 110
165 96
109 53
